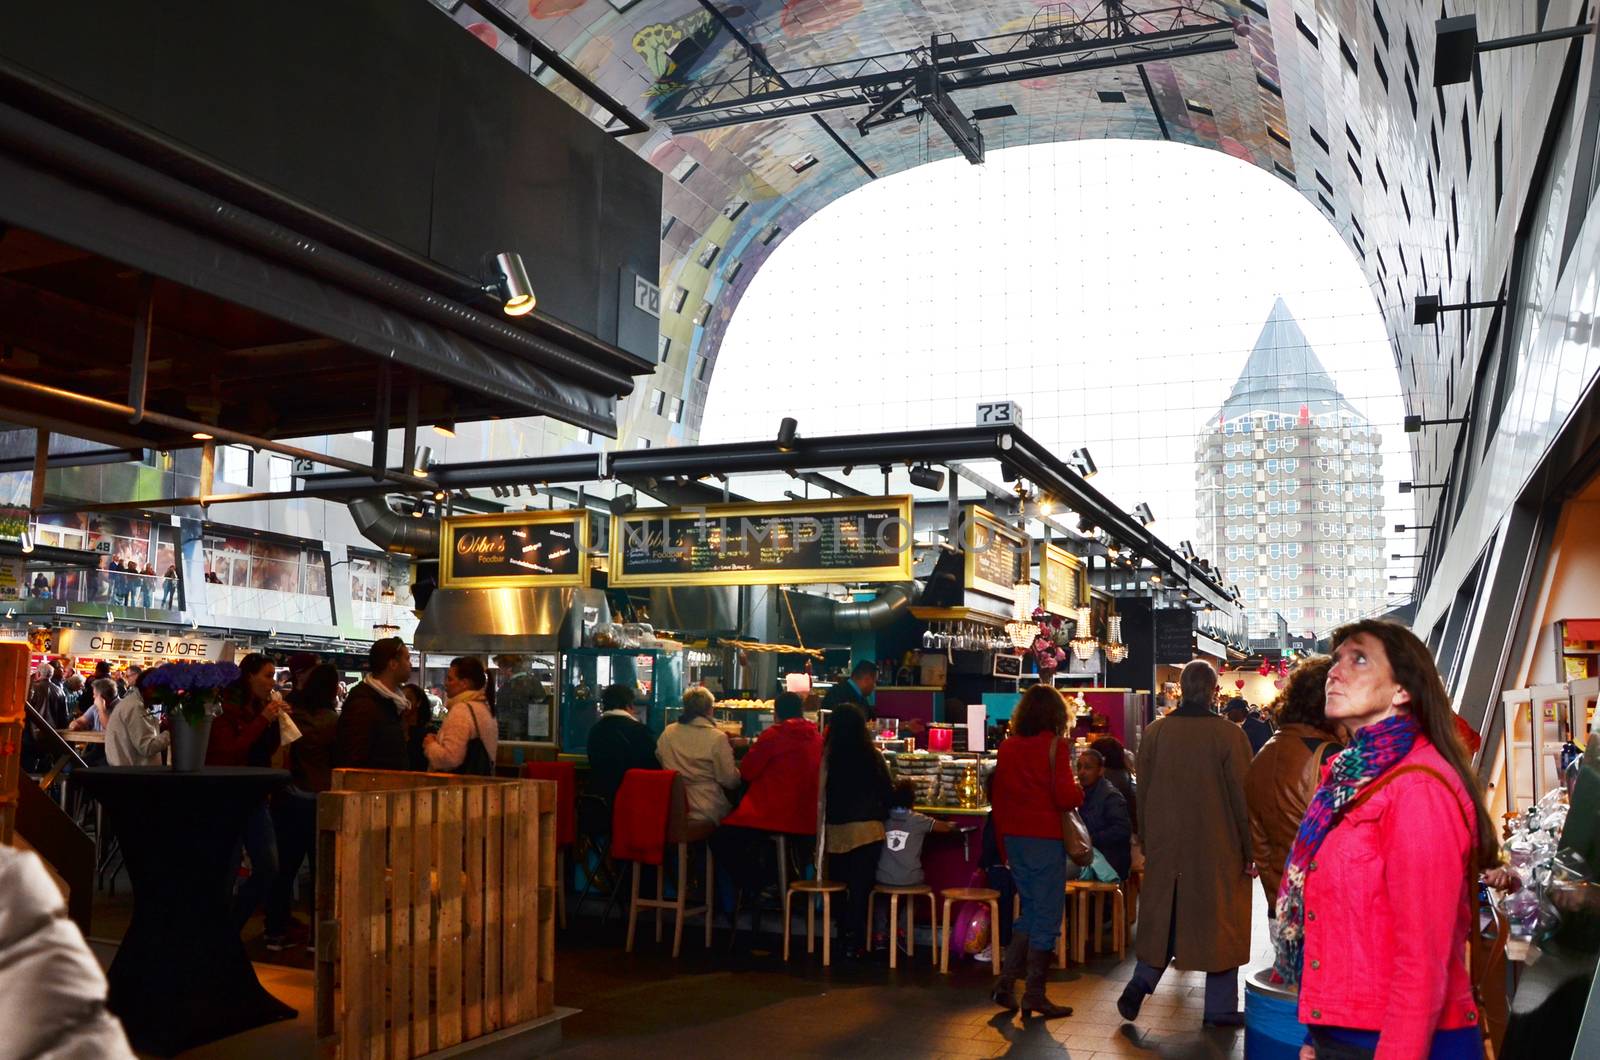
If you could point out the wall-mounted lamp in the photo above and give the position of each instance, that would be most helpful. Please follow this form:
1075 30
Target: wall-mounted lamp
512 285
788 434
1427 308
1407 487
926 477
1456 44
1414 424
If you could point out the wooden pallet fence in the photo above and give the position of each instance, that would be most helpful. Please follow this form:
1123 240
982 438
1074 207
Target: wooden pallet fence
435 910
14 684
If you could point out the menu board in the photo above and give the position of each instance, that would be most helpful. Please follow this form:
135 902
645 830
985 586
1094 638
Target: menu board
1174 636
1060 581
515 550
853 539
995 554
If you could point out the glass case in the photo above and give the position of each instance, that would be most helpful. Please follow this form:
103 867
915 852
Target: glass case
657 677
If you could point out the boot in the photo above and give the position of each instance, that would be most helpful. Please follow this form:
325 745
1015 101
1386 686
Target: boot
1034 1000
1005 990
1131 1001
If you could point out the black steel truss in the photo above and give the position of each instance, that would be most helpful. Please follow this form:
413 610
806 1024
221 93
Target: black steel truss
916 81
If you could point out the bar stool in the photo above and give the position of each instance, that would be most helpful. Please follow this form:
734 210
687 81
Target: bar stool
911 894
1061 935
679 832
565 774
809 890
1078 893
971 894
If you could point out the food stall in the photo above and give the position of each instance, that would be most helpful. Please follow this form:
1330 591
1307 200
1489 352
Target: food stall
514 588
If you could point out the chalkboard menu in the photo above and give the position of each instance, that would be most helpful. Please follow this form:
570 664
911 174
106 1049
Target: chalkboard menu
1060 581
995 554
1174 636
515 550
854 539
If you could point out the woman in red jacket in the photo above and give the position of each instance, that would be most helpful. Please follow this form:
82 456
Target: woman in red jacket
780 798
246 734
1378 895
1032 784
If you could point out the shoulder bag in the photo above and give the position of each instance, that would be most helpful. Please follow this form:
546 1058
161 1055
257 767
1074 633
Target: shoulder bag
1074 833
476 762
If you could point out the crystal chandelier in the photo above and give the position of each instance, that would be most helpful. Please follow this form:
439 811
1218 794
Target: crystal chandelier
1022 630
1083 643
1115 649
381 630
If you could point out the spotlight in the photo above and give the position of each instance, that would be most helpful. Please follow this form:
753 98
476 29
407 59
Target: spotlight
423 458
110 617
512 285
1085 525
926 477
27 541
446 428
1143 513
1083 463
202 436
788 433
623 503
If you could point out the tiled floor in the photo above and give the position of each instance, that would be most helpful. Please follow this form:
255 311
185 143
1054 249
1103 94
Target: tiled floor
646 1004
714 1003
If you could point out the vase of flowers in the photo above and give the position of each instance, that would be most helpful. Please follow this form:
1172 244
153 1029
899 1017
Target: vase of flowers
189 695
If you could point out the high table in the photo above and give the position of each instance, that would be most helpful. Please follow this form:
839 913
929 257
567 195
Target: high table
181 977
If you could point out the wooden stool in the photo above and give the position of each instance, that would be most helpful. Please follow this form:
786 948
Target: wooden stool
972 894
809 889
1079 892
1061 935
912 894
1130 891
679 903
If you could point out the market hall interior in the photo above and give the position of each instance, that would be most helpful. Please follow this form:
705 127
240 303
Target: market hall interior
358 428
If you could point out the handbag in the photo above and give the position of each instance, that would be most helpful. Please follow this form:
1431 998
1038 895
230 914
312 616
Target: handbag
476 762
1074 833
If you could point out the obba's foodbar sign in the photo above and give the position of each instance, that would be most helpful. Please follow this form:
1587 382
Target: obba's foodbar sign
148 646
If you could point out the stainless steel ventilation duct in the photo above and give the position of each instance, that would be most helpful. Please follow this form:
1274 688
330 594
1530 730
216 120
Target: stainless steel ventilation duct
824 621
393 532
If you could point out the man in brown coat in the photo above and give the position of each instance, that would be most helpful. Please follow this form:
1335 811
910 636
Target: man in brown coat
1194 907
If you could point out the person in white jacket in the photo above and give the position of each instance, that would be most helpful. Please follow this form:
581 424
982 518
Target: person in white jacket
133 737
54 990
467 718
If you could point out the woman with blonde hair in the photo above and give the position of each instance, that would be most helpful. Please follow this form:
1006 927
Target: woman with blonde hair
702 754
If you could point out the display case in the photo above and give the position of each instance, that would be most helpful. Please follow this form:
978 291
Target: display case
585 672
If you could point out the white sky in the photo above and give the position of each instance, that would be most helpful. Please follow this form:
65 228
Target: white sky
1113 288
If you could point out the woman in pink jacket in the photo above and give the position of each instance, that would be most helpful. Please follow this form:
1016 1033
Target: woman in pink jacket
1378 895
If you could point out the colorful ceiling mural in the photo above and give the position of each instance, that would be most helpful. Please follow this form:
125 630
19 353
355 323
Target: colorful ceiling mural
732 194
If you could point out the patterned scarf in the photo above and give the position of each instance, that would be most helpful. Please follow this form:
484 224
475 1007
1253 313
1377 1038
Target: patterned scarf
1375 749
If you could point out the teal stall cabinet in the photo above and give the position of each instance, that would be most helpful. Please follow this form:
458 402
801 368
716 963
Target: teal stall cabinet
657 677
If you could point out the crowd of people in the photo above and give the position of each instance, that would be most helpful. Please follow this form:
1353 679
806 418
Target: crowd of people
122 582
309 724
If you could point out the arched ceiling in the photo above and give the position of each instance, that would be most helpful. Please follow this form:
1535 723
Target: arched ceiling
732 193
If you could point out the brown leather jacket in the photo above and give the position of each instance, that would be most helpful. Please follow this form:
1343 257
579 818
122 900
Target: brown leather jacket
1278 789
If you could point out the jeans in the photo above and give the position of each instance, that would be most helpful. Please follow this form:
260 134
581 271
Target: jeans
1039 867
1222 988
169 590
858 870
294 816
261 842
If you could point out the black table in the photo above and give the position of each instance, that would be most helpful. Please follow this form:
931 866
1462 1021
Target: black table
181 977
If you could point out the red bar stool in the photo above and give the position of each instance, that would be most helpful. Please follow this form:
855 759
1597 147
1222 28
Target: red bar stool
651 813
565 774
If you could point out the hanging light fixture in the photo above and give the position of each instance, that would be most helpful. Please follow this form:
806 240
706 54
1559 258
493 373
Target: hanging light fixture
1115 649
1022 630
1083 643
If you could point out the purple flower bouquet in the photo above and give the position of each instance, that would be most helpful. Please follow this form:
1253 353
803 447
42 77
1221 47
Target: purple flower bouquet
188 690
